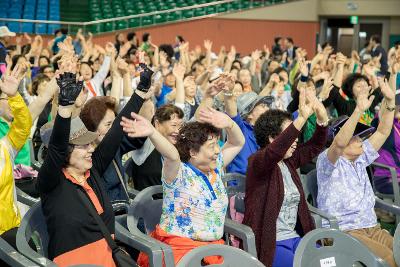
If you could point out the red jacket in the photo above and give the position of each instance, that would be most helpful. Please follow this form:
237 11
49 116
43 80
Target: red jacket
265 189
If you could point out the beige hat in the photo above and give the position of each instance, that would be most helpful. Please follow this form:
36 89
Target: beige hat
4 32
78 135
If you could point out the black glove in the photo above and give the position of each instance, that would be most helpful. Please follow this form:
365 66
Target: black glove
145 78
69 88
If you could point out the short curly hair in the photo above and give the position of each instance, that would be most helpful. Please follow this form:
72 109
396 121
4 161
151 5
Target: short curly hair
269 124
192 136
349 82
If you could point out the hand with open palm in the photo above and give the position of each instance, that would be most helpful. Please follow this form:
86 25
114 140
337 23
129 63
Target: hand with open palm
9 83
137 126
215 118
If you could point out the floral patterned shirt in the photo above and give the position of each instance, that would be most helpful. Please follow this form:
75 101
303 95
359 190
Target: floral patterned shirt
194 205
344 189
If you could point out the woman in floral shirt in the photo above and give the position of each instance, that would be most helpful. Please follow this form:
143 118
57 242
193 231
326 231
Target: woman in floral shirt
195 200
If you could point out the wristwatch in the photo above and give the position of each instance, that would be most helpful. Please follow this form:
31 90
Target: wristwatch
390 108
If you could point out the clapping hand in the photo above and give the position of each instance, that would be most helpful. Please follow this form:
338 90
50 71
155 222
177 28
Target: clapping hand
306 108
138 126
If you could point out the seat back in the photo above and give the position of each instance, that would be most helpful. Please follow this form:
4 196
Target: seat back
310 187
145 208
231 257
344 251
33 224
12 257
396 245
234 183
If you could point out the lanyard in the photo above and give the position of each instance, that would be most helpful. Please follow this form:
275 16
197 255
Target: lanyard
90 87
205 178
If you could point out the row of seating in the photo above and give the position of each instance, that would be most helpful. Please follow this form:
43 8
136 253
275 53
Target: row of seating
101 9
127 231
33 10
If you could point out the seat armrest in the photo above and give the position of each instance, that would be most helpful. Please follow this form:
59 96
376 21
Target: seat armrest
333 222
150 246
24 198
243 232
379 203
132 193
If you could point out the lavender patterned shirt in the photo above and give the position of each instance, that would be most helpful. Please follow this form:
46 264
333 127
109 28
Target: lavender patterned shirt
344 189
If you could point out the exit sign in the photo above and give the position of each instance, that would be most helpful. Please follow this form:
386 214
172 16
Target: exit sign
354 19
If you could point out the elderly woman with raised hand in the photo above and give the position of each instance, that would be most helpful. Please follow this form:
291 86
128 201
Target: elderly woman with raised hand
344 189
195 200
73 163
12 106
276 208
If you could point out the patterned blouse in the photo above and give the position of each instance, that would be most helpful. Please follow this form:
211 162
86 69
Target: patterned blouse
194 205
344 189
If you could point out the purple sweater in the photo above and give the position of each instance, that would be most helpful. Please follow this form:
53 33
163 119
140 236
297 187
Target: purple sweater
389 154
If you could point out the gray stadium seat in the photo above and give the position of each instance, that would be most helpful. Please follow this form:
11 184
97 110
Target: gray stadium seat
234 183
24 198
34 224
396 245
395 184
148 210
344 251
310 186
231 256
12 257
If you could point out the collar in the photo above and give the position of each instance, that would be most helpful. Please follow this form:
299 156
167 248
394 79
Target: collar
203 176
73 180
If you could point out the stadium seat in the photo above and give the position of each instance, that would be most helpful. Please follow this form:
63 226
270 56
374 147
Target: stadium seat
394 197
148 209
311 192
32 222
396 245
344 251
231 257
12 257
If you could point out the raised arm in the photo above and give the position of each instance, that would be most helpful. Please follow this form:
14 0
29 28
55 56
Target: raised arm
37 106
387 116
235 140
342 139
22 122
106 150
179 72
105 67
309 150
50 172
140 127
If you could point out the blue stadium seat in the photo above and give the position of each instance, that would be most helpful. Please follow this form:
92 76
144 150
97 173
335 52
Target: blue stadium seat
27 27
13 26
41 28
52 27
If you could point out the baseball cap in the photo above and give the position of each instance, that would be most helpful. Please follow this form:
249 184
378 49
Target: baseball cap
362 130
4 32
78 135
248 101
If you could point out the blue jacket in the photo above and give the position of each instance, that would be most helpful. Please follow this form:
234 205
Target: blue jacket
239 163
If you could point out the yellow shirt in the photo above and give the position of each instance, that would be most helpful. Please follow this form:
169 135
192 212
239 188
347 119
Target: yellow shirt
9 147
